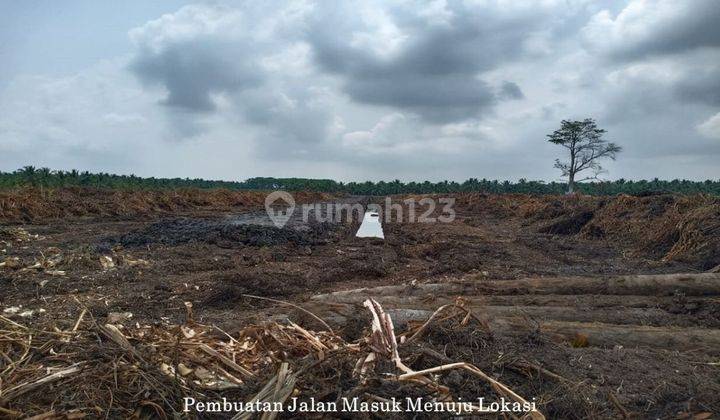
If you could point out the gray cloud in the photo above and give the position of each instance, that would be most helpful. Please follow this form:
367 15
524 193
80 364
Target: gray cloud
700 87
435 71
438 99
194 69
510 90
202 55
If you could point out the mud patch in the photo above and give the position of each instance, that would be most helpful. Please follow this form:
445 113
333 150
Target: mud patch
181 231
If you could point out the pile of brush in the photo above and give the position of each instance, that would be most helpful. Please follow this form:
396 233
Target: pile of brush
667 227
100 369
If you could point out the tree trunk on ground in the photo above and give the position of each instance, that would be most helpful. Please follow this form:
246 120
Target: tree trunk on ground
415 309
597 334
511 307
616 315
609 335
699 284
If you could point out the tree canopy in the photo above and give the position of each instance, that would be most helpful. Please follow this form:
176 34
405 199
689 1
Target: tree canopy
586 147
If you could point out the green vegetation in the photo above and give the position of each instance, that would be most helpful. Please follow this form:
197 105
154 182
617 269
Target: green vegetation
46 178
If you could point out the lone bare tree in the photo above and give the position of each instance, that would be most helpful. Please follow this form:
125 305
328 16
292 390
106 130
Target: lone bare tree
584 141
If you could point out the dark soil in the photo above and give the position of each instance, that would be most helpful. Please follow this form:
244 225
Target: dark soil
174 232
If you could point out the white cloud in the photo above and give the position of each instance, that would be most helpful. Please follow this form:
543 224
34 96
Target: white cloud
654 27
189 23
633 25
711 127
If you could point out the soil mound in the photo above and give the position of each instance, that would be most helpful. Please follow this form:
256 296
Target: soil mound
698 238
31 205
665 227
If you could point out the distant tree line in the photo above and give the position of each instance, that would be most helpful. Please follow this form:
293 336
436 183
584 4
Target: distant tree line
46 178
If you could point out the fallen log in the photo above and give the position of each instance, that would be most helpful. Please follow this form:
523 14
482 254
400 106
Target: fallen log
578 301
614 315
598 334
695 284
609 335
620 316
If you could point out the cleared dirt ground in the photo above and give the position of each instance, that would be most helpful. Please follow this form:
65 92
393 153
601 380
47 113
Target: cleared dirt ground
149 260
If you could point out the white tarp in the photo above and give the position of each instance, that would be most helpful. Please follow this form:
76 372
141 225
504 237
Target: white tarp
370 226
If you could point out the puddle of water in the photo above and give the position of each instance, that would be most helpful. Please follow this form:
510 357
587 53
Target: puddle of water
370 226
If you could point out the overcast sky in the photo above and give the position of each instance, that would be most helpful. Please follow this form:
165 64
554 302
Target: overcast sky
357 90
